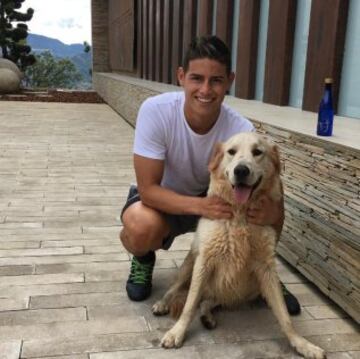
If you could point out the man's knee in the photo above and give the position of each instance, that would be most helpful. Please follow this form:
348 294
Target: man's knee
136 239
142 232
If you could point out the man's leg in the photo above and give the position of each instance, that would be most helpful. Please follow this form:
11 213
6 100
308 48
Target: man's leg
143 232
292 304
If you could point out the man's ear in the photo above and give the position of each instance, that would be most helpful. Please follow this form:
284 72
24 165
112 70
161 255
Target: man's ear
216 157
231 78
180 73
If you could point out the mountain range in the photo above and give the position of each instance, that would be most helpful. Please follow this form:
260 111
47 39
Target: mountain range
74 52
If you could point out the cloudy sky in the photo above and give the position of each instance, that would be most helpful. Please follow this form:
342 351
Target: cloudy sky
66 20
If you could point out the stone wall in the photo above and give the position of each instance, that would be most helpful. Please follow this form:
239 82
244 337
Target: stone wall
321 235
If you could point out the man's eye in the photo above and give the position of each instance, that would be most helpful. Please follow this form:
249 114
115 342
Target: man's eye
257 152
231 152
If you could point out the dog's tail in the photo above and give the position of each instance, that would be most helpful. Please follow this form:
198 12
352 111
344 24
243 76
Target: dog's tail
177 304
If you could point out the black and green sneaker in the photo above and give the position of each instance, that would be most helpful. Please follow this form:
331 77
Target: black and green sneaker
291 302
138 286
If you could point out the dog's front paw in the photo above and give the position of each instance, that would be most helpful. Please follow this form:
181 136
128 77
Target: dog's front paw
160 308
171 339
307 349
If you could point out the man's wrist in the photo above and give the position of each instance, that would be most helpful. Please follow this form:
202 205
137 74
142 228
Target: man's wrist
195 206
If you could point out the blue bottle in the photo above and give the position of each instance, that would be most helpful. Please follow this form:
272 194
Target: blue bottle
326 111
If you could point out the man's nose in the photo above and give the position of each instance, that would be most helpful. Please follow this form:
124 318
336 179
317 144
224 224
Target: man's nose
205 87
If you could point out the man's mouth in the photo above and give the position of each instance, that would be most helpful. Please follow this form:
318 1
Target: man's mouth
204 99
243 192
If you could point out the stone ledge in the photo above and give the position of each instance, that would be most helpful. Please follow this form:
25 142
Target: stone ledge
346 129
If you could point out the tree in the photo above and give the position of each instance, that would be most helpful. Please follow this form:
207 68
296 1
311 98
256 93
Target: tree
51 72
87 47
13 39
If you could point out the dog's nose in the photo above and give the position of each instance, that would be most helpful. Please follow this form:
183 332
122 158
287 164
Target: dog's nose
241 172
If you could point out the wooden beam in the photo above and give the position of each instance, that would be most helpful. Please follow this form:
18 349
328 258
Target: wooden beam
224 20
205 17
121 35
167 41
151 34
247 49
325 50
177 42
279 50
190 7
145 52
138 40
159 23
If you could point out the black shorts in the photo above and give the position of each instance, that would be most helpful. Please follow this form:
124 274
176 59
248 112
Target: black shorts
179 224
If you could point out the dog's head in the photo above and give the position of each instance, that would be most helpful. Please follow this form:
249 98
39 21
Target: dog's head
244 165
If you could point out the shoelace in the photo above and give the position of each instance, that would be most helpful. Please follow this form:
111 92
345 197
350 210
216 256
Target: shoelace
284 289
140 273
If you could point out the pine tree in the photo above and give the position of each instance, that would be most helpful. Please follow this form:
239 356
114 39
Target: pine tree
13 39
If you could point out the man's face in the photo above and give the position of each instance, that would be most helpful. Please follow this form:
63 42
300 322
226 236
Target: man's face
205 84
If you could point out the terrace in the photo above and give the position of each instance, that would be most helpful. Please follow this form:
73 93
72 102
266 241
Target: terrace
64 174
65 170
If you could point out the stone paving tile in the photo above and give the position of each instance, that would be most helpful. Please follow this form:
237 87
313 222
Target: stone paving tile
80 356
89 344
65 170
61 289
73 329
41 252
28 229
41 279
110 257
185 352
40 316
13 304
10 350
82 242
17 270
326 312
75 300
355 354
22 245
87 268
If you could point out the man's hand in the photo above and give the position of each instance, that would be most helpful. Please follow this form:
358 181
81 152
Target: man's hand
265 212
214 207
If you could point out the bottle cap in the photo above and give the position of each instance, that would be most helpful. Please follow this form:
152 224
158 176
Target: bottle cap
328 80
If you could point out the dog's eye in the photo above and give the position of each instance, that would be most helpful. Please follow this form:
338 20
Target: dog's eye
231 152
256 152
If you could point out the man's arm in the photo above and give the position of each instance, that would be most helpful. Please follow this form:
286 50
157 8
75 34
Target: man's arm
149 173
267 212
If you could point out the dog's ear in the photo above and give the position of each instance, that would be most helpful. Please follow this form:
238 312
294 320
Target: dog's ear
275 157
216 157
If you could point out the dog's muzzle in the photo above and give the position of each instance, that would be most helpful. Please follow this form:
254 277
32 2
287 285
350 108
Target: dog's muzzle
243 190
241 173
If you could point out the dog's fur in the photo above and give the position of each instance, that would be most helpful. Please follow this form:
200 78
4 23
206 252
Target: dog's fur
231 261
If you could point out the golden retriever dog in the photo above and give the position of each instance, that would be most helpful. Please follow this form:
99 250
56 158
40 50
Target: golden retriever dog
231 261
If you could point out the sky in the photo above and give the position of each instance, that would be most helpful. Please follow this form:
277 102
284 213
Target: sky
66 20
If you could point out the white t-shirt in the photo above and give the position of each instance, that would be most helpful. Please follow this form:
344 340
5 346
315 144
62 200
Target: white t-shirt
163 133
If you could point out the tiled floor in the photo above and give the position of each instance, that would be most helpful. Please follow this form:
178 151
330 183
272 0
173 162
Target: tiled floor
64 174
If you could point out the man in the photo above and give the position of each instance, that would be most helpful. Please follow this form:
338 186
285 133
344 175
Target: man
174 137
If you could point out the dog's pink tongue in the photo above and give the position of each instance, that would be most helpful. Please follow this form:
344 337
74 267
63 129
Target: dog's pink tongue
242 194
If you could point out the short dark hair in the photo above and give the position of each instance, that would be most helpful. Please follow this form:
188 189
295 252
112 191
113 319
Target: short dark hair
208 47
